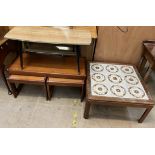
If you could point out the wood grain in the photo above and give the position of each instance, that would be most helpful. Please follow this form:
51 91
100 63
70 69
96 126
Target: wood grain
116 46
44 65
19 78
91 29
50 35
64 82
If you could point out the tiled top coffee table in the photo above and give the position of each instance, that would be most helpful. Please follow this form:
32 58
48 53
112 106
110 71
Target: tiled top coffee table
116 85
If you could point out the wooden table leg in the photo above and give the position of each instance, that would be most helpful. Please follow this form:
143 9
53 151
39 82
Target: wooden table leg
82 92
49 91
14 89
94 48
146 112
4 79
45 89
21 55
87 109
78 58
142 64
148 72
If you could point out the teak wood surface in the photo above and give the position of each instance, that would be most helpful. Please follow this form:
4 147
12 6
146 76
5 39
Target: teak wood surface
21 79
51 82
29 79
64 82
49 35
49 66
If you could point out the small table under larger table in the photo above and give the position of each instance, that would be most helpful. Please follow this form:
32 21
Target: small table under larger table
59 68
116 85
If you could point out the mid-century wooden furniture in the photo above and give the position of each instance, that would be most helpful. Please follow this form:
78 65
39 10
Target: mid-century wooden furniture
49 66
62 70
21 79
148 58
116 85
6 46
58 36
51 82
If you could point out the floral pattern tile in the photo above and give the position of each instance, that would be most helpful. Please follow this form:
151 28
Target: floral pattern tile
119 81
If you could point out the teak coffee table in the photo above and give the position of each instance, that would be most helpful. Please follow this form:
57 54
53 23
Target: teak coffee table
57 70
116 85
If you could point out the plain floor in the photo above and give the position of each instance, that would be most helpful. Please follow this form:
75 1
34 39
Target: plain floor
31 110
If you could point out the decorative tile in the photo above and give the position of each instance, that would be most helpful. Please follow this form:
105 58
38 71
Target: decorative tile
100 89
98 77
97 67
111 80
118 90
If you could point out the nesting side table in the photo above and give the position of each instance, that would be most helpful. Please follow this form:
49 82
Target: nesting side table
116 85
21 79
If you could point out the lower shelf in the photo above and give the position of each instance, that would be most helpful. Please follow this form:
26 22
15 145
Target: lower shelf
49 66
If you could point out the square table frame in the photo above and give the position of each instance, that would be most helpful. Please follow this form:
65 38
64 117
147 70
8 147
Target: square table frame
114 101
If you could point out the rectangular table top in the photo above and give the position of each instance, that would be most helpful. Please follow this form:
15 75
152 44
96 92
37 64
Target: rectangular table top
116 82
51 35
48 65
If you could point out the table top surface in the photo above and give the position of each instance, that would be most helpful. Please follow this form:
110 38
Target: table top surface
51 35
91 29
116 82
48 65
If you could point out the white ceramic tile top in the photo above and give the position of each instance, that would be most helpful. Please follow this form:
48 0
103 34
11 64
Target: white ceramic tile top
112 80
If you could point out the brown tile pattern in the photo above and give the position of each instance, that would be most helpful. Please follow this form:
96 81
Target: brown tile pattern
113 80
